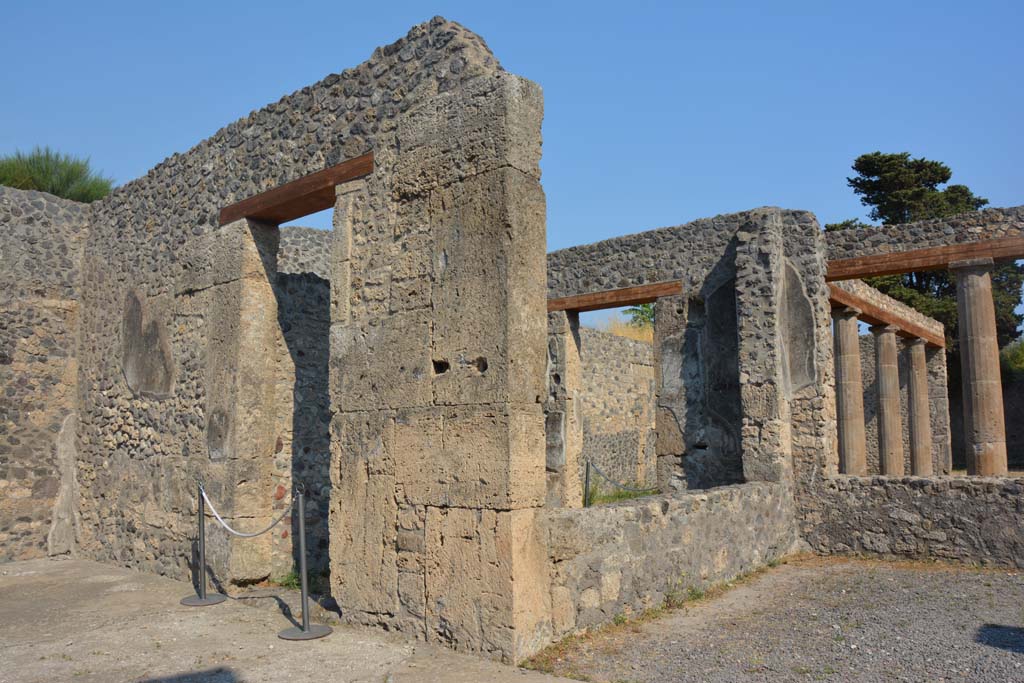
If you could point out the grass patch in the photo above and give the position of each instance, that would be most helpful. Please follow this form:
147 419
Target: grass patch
599 496
290 580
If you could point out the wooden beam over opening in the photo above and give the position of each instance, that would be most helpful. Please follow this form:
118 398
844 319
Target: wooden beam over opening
298 198
876 315
932 258
645 294
614 298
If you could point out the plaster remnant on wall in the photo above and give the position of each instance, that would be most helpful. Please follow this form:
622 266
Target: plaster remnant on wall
145 349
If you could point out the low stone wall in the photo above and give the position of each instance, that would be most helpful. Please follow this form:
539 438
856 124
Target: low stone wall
617 406
970 519
41 238
628 557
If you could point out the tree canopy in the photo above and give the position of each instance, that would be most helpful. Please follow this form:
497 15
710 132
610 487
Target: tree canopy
62 175
901 189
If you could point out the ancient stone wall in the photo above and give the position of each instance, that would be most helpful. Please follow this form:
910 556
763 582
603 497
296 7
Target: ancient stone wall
216 401
631 556
970 519
304 250
968 227
41 241
437 370
617 405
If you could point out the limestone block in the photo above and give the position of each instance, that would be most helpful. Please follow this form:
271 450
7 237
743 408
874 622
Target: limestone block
471 456
238 250
486 582
492 122
489 295
384 365
364 570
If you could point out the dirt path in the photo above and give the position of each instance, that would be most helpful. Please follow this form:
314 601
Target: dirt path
823 620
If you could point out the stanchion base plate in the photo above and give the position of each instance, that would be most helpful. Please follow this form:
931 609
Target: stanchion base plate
296 632
210 599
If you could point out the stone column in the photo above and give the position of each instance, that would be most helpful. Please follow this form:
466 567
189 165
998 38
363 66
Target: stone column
984 428
920 414
849 393
890 424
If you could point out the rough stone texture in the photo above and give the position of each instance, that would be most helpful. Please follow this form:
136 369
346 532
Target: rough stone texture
957 518
304 250
304 303
627 557
41 242
136 452
687 253
563 419
617 404
437 371
967 227
937 401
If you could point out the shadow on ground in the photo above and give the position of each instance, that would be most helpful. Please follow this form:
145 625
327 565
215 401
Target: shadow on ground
218 675
1010 638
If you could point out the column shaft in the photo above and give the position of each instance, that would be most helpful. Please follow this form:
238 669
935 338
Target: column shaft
849 393
984 428
890 423
920 413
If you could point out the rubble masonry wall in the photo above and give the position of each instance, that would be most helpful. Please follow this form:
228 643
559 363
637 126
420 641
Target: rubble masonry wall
41 242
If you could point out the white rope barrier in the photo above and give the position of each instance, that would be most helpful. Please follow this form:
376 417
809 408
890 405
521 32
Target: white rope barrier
240 533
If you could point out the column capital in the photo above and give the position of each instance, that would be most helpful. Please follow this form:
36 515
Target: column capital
879 329
847 312
980 263
916 341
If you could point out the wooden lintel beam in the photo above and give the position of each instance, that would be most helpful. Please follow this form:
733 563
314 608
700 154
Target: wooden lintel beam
876 315
614 298
309 194
932 258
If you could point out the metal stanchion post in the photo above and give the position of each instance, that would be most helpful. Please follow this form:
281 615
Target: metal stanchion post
586 485
202 599
305 632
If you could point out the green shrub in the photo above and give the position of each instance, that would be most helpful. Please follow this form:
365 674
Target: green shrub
58 174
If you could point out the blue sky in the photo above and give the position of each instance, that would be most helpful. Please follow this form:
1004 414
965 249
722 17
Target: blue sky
655 114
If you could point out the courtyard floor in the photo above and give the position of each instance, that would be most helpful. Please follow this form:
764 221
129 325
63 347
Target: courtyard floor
811 619
82 622
820 619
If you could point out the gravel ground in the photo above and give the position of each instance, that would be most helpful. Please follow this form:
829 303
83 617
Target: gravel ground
824 620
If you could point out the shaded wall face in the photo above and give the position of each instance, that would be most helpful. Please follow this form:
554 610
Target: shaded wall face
437 371
617 406
228 413
41 239
699 411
